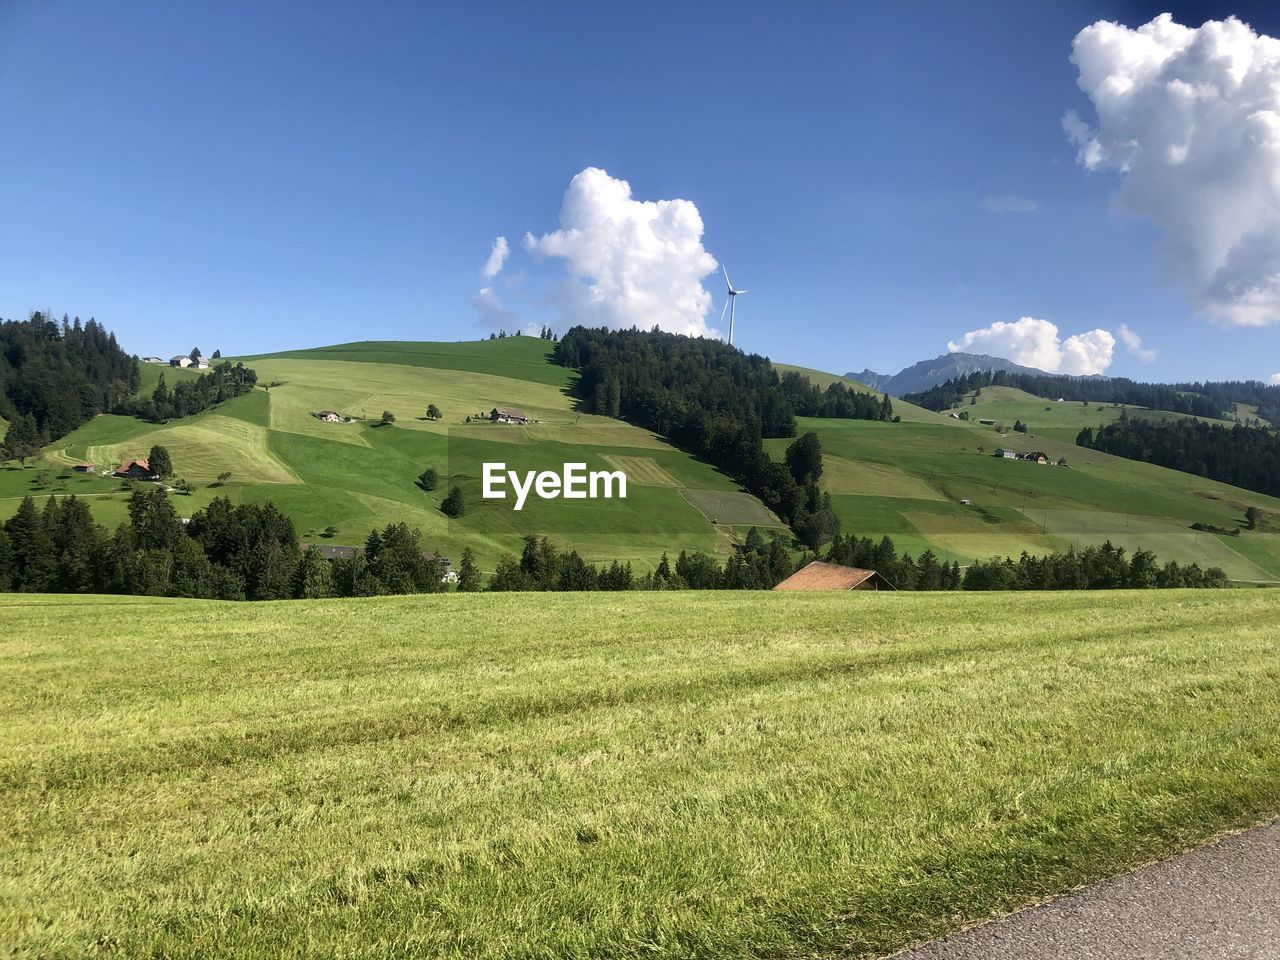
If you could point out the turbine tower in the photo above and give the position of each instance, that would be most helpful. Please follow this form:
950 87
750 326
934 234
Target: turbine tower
728 304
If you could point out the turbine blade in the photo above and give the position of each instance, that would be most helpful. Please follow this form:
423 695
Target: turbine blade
727 301
727 283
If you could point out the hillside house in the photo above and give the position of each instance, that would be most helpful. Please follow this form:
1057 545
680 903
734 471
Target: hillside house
507 415
201 364
84 468
330 416
1036 457
180 362
987 422
1006 454
820 575
152 360
135 470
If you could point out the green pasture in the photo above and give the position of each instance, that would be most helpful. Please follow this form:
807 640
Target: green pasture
610 775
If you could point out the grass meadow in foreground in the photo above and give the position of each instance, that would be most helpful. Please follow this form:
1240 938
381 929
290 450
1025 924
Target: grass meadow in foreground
612 775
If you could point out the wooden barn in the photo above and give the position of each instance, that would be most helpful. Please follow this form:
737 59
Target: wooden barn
820 575
135 470
507 415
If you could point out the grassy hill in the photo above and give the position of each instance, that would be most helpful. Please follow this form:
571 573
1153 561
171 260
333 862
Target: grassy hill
658 775
907 481
360 475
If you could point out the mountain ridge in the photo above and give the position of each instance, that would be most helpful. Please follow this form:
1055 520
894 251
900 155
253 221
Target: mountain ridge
938 370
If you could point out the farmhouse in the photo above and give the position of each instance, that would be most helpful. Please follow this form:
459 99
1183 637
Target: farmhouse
987 422
84 468
1036 457
201 364
180 362
507 415
152 360
820 575
1006 453
135 470
331 416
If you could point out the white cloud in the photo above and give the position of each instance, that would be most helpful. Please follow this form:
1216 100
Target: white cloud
497 257
1036 343
1008 203
1190 118
1275 379
631 262
494 314
1134 343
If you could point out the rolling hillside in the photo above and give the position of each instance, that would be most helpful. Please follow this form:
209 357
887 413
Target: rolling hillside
360 475
905 480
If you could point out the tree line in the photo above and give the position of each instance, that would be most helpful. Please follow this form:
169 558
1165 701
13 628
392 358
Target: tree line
714 402
251 552
225 552
1242 456
1213 399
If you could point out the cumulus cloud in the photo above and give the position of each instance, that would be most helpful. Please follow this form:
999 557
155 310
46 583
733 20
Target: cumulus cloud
1134 344
1190 119
497 257
494 314
1037 343
630 262
1275 379
1008 203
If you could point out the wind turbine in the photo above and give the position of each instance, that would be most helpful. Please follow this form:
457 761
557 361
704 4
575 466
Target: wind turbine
728 304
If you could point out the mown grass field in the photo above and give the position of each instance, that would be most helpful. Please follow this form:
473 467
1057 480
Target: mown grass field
619 775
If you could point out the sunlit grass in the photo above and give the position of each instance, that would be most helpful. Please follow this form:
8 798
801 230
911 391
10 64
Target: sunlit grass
708 775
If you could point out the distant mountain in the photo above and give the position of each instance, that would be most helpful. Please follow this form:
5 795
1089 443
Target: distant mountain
930 373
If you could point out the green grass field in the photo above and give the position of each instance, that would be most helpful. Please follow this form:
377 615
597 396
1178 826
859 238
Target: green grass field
616 775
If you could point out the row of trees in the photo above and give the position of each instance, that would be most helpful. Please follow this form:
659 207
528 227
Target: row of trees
250 552
225 552
55 377
1246 457
1214 399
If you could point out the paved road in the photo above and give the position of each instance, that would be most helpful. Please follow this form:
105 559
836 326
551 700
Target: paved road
1221 902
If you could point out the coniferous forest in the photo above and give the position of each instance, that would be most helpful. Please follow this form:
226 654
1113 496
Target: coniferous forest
60 375
1247 457
717 403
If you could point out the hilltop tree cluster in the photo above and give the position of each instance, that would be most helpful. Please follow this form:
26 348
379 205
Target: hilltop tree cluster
712 401
1246 457
224 381
55 377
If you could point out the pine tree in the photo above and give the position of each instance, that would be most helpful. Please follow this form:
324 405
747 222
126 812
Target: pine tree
159 463
454 504
468 573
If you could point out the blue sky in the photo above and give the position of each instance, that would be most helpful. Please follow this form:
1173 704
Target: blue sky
250 176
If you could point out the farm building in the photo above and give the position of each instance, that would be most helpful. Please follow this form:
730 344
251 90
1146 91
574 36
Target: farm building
180 362
987 422
330 416
135 470
1007 454
1036 457
84 468
507 415
152 360
201 364
820 575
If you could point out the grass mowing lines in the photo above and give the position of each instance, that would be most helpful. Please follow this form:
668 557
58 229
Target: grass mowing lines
623 775
732 508
641 470
864 478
